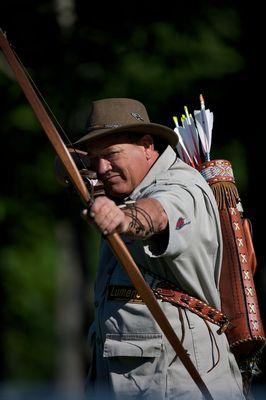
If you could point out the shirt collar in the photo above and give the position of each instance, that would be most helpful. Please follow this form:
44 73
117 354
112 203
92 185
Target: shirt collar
162 164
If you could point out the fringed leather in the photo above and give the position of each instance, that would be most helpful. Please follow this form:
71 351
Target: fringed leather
238 293
226 194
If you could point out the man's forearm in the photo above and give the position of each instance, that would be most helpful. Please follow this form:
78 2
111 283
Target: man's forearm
145 218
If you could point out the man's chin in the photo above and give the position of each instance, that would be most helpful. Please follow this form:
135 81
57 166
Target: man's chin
118 191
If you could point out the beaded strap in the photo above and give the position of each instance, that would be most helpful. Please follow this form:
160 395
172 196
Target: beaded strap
217 170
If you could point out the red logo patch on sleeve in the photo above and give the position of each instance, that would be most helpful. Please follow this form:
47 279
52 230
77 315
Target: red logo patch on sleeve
181 222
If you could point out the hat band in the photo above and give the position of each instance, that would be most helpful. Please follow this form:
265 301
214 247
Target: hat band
105 126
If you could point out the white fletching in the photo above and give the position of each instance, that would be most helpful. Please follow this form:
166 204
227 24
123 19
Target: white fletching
195 136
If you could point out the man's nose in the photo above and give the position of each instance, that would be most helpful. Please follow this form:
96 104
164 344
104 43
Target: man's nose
103 166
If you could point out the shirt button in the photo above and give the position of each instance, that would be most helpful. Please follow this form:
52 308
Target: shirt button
96 303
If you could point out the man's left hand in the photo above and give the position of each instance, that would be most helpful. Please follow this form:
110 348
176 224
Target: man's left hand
107 217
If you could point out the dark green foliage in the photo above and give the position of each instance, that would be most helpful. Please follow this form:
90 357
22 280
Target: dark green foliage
165 57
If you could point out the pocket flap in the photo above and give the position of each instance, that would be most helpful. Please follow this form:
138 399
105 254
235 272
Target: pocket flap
133 345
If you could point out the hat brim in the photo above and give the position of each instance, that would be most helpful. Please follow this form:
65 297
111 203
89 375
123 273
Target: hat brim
158 130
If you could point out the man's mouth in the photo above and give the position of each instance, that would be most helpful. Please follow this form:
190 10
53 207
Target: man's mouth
112 178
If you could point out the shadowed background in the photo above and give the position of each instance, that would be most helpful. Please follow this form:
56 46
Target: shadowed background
163 55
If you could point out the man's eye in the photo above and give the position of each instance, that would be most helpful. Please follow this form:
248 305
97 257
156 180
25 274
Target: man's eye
111 156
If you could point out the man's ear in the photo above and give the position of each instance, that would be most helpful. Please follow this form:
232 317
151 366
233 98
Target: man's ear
147 142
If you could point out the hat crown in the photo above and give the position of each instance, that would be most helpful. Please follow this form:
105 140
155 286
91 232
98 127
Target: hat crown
116 112
117 115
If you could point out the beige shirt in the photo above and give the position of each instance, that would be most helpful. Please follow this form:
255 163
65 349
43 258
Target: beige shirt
132 356
192 259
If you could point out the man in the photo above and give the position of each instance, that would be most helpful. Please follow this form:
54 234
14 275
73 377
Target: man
168 218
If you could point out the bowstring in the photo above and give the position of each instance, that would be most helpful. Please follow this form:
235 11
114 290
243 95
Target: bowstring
48 109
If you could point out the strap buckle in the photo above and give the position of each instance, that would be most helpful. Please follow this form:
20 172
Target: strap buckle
223 327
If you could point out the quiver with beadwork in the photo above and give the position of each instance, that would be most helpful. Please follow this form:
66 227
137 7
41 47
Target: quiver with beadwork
238 294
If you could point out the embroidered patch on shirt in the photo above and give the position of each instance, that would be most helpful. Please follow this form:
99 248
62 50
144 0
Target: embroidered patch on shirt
181 222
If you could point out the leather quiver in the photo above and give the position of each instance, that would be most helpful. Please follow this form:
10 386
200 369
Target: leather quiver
239 301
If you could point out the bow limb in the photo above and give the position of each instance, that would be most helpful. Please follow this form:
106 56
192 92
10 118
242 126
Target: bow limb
114 240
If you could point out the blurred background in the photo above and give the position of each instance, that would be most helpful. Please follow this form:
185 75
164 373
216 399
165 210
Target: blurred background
78 51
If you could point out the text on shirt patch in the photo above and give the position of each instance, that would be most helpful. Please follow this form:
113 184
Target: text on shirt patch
181 222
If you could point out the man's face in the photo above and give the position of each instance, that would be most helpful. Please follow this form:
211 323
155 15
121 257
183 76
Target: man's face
119 164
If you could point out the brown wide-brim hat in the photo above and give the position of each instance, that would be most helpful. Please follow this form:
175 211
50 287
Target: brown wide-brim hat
114 115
